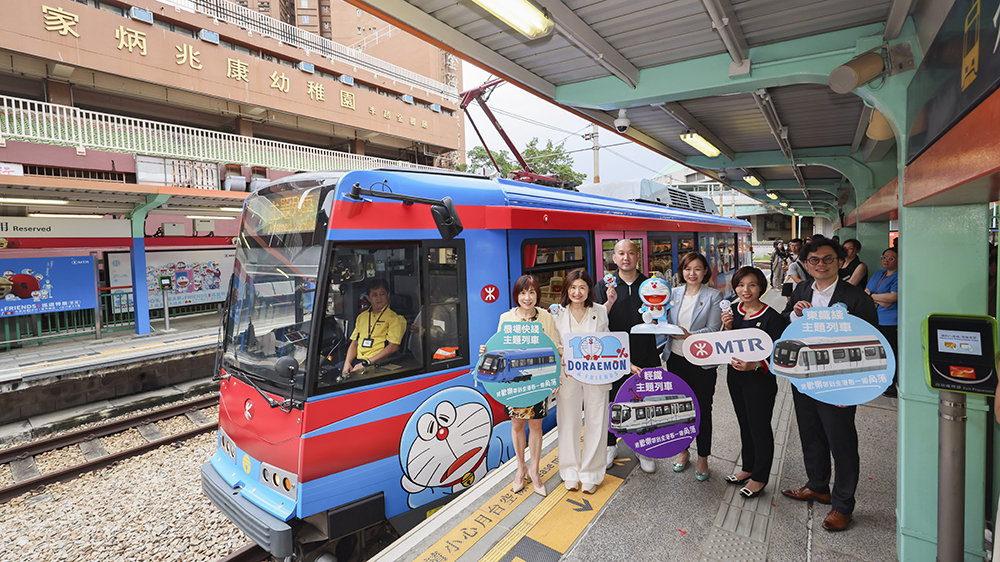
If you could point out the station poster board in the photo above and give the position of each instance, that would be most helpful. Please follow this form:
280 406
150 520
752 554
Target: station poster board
199 276
40 285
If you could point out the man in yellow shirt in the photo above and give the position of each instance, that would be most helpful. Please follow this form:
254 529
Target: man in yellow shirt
377 332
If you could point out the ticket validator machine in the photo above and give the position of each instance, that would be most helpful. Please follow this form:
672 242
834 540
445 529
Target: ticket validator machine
166 285
960 358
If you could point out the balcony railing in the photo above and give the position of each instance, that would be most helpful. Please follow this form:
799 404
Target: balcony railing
267 26
48 123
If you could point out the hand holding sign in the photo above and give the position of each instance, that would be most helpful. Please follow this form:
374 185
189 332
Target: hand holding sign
596 358
719 348
520 366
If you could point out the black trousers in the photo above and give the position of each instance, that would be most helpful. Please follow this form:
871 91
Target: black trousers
753 395
825 429
702 382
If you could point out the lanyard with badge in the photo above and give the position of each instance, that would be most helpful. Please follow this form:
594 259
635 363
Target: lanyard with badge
368 342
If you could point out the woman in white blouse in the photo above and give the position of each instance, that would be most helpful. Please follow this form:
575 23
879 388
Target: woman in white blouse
584 467
696 310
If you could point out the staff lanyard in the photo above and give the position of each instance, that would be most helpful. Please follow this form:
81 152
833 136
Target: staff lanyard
371 325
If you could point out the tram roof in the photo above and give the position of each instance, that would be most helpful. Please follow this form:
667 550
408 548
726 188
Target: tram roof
750 76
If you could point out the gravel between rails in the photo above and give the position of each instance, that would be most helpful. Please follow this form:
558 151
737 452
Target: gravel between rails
120 441
6 479
59 459
145 508
175 425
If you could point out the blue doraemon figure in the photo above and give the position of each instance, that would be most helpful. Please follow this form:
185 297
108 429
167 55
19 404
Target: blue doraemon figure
449 443
655 296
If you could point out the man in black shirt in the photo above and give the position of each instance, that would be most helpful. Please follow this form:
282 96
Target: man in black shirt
622 315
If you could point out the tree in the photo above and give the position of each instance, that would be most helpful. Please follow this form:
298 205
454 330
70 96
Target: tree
551 160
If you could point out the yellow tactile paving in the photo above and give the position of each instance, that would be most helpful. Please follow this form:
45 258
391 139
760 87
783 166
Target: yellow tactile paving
525 526
567 519
463 536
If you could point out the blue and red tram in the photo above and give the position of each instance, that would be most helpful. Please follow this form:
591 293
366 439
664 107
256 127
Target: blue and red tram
307 455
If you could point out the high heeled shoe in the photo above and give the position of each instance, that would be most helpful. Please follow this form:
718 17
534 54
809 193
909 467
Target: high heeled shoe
680 466
515 487
732 479
540 489
746 493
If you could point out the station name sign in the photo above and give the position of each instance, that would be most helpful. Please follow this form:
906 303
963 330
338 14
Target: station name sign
26 227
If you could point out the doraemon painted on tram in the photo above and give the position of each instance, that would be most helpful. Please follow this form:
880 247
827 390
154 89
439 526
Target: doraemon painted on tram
309 459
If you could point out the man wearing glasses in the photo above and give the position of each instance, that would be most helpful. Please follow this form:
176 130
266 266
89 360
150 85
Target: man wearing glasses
825 429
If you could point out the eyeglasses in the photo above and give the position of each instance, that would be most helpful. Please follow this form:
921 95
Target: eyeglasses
888 258
825 259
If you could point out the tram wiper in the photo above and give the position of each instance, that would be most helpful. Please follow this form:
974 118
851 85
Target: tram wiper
245 377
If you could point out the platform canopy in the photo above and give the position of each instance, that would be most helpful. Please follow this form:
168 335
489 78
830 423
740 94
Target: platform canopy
751 77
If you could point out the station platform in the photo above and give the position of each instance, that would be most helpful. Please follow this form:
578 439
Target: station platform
671 516
81 373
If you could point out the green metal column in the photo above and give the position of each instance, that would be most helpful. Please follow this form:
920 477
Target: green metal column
943 258
874 238
846 233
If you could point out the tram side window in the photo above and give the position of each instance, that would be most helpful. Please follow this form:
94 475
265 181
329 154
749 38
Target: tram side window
661 257
839 355
685 244
549 261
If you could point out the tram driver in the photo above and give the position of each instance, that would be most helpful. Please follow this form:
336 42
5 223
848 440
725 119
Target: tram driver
377 333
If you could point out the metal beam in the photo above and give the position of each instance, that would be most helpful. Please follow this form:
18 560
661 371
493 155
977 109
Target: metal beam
583 36
725 22
859 133
675 110
425 26
808 60
898 12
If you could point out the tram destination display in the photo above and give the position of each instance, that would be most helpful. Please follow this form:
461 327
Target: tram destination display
960 353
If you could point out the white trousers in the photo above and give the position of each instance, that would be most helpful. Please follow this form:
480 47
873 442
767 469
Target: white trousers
586 466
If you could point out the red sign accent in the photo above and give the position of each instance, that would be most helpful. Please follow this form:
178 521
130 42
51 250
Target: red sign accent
701 349
490 293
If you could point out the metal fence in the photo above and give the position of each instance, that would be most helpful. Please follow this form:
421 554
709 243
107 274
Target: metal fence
267 26
49 123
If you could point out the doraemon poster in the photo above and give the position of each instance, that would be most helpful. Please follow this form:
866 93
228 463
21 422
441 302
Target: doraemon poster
834 357
655 413
199 276
40 285
449 443
521 366
596 358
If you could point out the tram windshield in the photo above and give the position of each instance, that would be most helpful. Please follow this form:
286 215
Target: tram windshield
274 281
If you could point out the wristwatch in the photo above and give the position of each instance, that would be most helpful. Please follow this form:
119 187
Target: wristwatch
366 362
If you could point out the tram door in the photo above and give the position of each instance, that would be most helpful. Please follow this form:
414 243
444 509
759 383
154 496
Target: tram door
604 248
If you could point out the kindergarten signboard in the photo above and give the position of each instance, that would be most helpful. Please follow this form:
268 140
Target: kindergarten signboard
834 357
597 358
521 365
39 285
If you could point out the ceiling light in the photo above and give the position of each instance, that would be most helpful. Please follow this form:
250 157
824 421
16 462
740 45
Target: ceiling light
751 179
700 144
878 127
63 216
206 217
792 210
520 15
772 195
24 201
231 209
796 214
784 203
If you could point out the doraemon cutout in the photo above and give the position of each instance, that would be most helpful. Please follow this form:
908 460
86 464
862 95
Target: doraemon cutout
449 443
655 296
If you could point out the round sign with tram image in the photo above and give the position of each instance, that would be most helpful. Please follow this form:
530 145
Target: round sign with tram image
834 357
655 413
521 366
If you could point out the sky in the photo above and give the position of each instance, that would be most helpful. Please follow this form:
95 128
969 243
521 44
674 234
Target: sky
525 116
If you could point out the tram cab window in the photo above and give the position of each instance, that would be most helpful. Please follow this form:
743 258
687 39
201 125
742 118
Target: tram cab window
549 261
640 413
425 311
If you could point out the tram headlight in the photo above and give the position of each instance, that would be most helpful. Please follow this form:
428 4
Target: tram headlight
280 481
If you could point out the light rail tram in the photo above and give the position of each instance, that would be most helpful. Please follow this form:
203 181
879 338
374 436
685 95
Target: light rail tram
313 465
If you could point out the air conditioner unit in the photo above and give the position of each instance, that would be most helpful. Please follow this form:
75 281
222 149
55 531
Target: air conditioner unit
305 67
436 108
345 79
235 183
208 36
141 15
258 183
407 98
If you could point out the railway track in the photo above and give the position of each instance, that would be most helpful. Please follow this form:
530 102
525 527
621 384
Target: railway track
29 450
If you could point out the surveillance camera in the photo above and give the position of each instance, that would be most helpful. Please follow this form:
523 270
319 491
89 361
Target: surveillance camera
723 174
622 123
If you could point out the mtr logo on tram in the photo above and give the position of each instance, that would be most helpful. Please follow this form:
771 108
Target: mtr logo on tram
347 397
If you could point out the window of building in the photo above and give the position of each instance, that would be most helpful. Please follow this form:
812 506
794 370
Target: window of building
305 20
304 4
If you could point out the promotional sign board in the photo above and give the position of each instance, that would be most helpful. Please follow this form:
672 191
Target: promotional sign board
655 413
521 365
719 348
960 353
29 227
596 358
834 357
198 276
38 285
